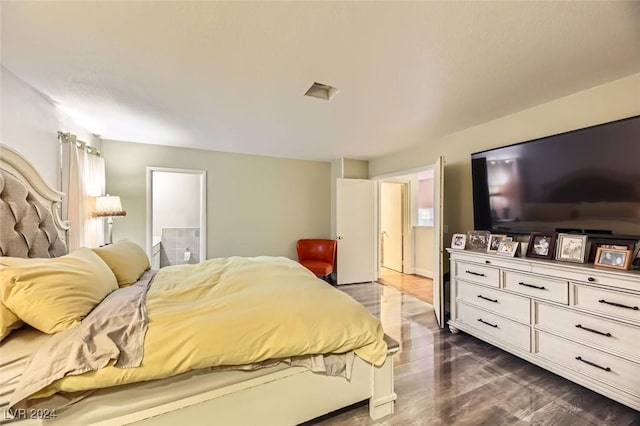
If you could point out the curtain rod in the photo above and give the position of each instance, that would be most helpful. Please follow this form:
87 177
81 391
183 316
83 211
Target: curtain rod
71 138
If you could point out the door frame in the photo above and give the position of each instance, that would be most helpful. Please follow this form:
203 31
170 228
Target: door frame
438 227
203 206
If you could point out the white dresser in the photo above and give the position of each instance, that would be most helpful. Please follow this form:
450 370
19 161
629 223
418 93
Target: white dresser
580 322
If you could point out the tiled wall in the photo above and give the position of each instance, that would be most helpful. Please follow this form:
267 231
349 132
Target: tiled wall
174 244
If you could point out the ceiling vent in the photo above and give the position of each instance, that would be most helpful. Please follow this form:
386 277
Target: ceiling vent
321 91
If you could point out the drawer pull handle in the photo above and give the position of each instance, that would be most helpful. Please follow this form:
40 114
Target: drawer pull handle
487 262
486 298
619 305
593 364
591 279
488 323
475 273
592 330
531 285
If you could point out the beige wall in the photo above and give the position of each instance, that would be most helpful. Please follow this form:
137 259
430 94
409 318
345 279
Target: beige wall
344 168
356 169
29 123
424 242
172 192
337 172
255 205
612 101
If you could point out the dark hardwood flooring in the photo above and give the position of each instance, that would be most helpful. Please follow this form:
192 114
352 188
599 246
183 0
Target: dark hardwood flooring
447 379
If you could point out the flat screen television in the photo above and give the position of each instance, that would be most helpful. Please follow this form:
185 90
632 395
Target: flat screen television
584 181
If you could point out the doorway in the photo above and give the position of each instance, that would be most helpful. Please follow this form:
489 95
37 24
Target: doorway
176 216
393 224
421 273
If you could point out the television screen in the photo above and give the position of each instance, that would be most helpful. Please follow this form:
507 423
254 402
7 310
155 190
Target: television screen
585 181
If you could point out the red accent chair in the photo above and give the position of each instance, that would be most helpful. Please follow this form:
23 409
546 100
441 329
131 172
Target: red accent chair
317 255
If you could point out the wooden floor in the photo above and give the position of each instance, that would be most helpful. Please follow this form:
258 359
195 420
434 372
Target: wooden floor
415 285
447 379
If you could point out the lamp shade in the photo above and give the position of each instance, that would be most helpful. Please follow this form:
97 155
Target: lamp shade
108 206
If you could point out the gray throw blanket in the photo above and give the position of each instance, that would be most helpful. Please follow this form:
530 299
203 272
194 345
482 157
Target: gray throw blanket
112 332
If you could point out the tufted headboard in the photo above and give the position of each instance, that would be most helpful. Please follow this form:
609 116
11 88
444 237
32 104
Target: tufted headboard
30 224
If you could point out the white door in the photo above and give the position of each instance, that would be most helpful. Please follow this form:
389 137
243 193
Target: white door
391 225
355 230
438 207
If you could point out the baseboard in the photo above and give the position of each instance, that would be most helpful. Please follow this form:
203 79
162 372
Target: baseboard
424 273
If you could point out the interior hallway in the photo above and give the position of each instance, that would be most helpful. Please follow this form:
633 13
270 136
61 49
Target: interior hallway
415 285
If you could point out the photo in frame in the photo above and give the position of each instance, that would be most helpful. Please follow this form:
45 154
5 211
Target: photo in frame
478 240
635 263
541 245
608 243
571 247
494 242
508 248
613 258
458 241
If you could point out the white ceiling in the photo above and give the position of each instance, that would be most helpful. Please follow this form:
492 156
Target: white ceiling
230 76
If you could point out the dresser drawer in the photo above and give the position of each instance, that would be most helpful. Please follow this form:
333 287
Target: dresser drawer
588 275
610 369
510 305
481 274
496 326
610 302
538 287
608 335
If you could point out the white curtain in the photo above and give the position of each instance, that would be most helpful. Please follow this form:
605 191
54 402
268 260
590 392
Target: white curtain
86 181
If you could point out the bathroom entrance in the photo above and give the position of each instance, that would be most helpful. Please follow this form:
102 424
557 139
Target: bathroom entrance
176 216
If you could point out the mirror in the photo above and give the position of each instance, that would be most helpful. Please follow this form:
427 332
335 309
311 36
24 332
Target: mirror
176 216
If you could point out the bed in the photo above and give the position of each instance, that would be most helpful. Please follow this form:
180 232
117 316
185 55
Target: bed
274 388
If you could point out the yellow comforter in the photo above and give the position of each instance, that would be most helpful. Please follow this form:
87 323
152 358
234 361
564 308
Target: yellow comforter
237 311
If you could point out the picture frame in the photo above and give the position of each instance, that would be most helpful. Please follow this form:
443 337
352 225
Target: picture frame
478 240
542 245
571 247
613 258
494 242
635 263
458 241
595 243
508 248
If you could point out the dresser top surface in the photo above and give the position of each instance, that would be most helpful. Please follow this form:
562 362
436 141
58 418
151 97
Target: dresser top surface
527 264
